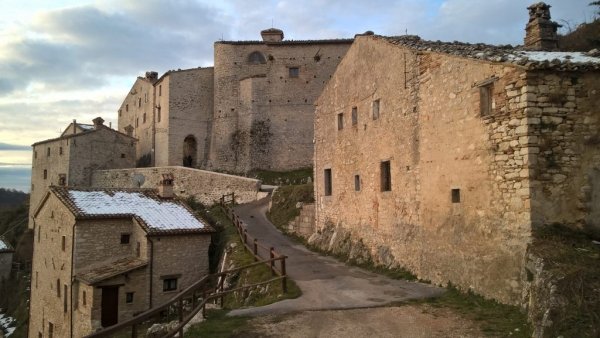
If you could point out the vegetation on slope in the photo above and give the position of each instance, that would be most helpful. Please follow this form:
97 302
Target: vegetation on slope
285 200
294 177
585 37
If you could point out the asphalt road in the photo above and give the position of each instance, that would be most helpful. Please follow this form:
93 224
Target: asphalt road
326 283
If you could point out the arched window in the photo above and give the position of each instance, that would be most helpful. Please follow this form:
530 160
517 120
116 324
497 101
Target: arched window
256 58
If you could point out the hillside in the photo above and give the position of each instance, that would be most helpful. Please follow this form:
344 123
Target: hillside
583 39
10 198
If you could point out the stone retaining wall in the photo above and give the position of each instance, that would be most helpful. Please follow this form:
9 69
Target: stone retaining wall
304 224
206 186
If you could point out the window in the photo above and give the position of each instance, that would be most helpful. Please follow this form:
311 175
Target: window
158 113
327 182
60 151
62 179
137 121
256 58
125 238
50 330
356 182
139 102
169 284
485 100
36 279
354 116
35 154
455 195
63 243
84 298
386 177
48 151
137 249
129 297
58 287
126 107
160 90
122 155
65 298
376 109
340 121
119 112
39 233
294 71
145 97
144 118
45 174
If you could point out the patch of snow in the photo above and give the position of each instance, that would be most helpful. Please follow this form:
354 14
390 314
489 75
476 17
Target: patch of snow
3 245
86 126
8 324
159 215
574 57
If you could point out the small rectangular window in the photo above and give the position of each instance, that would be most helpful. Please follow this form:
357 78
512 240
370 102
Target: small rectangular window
84 298
63 243
144 118
160 90
137 249
125 238
50 330
485 100
62 180
48 151
139 102
35 154
60 152
45 174
137 121
327 182
354 116
158 114
169 284
119 112
36 279
455 195
65 301
126 107
356 182
58 288
122 155
294 71
376 109
129 297
340 121
386 177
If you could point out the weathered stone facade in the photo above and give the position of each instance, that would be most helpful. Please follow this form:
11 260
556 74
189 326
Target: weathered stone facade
87 256
171 116
449 168
71 158
206 187
253 110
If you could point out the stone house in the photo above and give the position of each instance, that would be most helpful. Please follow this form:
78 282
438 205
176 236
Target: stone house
70 159
6 257
101 256
443 157
170 116
254 109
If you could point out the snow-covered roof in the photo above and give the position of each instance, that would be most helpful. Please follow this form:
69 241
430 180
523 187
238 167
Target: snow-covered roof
153 212
85 126
5 246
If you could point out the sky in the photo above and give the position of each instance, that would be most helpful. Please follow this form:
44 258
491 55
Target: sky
64 59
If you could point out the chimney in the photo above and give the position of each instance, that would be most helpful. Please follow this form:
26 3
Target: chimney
152 76
540 32
165 187
129 130
272 35
98 122
74 126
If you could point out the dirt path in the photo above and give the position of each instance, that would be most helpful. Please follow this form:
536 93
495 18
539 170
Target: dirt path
414 321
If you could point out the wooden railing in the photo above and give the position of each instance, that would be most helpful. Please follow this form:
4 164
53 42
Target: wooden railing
180 309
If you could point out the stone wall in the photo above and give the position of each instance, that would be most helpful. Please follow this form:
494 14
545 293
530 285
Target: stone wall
431 132
137 111
51 266
5 264
304 224
263 117
205 186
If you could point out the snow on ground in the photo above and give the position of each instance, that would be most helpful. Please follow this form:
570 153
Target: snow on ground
7 324
160 215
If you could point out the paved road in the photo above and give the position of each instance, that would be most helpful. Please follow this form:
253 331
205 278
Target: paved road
326 283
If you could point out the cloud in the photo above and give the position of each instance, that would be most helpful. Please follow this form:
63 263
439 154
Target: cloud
8 146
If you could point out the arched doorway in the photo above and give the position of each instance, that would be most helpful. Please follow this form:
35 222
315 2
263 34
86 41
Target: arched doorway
190 149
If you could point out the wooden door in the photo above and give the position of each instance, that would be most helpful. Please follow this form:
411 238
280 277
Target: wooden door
110 305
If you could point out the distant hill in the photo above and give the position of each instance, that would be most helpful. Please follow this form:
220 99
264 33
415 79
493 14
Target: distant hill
10 198
583 39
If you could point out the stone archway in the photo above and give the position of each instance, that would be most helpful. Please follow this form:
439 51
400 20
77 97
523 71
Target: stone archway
190 150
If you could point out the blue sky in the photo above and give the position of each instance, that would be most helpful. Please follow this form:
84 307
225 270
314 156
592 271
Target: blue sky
64 60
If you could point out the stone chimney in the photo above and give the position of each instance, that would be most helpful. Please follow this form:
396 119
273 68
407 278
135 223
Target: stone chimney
129 130
152 76
272 35
540 32
74 126
165 187
98 122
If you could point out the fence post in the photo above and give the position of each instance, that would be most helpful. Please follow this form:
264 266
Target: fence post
284 275
256 249
245 237
181 316
133 331
204 305
272 256
221 290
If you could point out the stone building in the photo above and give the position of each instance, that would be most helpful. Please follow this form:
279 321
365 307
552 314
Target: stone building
170 116
70 159
101 256
6 257
254 109
446 164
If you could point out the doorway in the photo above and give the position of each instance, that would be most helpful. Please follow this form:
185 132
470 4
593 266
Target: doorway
110 306
190 149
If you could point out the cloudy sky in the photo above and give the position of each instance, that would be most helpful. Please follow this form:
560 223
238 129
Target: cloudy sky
75 59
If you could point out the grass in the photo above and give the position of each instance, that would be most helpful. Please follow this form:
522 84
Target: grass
219 325
294 177
493 318
284 202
